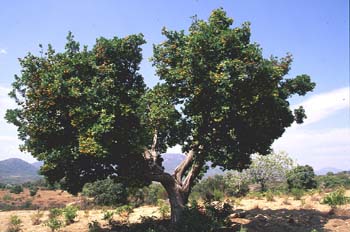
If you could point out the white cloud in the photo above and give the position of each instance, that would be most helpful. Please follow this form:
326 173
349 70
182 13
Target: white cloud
321 106
3 51
320 146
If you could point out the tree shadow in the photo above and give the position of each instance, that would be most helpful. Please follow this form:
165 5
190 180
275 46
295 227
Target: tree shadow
257 220
302 220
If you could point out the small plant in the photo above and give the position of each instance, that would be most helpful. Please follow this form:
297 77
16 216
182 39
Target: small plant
218 195
55 212
36 217
297 193
14 224
54 224
17 189
108 216
33 191
124 212
269 196
7 197
336 198
69 213
95 226
164 208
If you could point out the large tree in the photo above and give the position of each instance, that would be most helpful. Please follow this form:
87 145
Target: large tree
88 115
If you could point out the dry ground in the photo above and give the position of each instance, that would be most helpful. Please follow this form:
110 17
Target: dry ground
282 214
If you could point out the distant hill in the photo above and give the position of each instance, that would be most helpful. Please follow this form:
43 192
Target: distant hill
172 160
324 171
15 171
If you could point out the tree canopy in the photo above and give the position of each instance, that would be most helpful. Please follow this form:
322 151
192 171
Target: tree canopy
88 114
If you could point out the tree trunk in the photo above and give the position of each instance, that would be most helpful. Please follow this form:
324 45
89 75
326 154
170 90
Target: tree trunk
178 185
177 202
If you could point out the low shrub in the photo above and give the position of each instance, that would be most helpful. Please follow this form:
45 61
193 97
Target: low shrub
33 190
54 224
17 189
36 217
70 213
15 224
336 198
297 193
164 208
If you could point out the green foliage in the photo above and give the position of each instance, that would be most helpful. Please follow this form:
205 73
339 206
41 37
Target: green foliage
17 189
7 197
334 180
164 208
297 193
54 224
78 111
301 177
69 213
194 220
106 192
15 224
227 89
33 190
95 226
212 187
55 212
108 216
336 198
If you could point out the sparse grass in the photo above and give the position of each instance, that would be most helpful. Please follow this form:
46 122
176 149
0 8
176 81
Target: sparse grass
15 224
36 217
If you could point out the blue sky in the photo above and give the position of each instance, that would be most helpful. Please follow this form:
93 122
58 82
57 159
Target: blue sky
316 32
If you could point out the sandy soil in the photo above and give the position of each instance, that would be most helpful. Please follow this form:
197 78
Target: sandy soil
282 214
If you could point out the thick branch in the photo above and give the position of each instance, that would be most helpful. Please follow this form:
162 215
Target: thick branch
154 144
194 172
183 166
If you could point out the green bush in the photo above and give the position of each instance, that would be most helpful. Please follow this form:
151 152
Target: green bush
54 224
55 212
301 177
164 208
106 192
14 224
334 180
194 220
17 189
297 193
33 190
336 198
70 213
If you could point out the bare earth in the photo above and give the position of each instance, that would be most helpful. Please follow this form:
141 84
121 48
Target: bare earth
282 214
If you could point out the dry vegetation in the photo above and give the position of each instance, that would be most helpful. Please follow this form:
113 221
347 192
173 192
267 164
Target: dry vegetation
282 213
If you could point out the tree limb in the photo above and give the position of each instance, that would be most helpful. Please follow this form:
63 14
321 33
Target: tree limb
183 166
